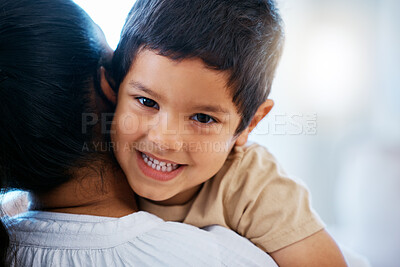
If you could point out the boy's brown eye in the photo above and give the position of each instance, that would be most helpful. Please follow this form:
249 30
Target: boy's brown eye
203 118
148 102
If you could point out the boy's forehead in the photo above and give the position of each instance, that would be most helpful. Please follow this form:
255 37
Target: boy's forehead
192 68
144 54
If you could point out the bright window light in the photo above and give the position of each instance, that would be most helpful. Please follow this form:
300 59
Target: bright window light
109 15
333 69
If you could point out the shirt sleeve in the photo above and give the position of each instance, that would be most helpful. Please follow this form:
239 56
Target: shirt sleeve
265 205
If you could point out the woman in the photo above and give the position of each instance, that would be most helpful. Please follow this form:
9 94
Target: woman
83 212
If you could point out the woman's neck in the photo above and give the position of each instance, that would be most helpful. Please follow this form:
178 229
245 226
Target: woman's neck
108 194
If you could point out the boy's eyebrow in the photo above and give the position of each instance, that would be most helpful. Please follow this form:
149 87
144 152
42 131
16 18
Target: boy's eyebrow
143 88
213 109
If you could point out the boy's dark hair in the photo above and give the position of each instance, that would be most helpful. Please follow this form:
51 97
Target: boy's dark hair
243 37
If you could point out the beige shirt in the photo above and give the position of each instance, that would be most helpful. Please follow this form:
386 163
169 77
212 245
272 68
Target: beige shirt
252 196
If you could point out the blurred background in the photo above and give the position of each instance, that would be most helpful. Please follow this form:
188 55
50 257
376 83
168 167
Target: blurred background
336 120
336 123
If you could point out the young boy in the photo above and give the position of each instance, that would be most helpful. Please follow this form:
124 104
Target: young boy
193 79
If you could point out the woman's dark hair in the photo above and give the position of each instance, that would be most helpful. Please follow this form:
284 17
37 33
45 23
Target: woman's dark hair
49 57
243 37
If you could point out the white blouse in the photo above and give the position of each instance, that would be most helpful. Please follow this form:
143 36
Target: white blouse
139 239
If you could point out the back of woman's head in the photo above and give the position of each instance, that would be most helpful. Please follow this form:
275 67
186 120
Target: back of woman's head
49 56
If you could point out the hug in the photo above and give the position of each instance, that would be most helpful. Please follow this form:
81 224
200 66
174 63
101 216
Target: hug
185 72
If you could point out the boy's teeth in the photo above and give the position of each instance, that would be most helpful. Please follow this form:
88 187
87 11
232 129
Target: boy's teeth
159 165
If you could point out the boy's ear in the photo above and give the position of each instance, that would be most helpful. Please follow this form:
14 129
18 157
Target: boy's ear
261 112
106 87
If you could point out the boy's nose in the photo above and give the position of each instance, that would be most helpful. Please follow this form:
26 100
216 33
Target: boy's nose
165 133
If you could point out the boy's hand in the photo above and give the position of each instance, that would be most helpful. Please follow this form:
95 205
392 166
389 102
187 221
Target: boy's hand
316 250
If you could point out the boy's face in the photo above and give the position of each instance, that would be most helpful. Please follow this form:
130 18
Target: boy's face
173 127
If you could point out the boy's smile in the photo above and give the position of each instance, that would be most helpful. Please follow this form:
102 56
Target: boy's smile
173 127
156 168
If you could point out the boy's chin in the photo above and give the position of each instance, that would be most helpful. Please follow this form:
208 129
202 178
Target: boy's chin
168 198
151 196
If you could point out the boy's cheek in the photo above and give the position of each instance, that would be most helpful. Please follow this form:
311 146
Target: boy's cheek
126 123
209 152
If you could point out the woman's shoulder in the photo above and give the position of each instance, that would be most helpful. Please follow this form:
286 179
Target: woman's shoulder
137 239
75 231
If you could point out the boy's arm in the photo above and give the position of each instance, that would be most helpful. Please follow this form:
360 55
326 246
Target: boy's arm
316 250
